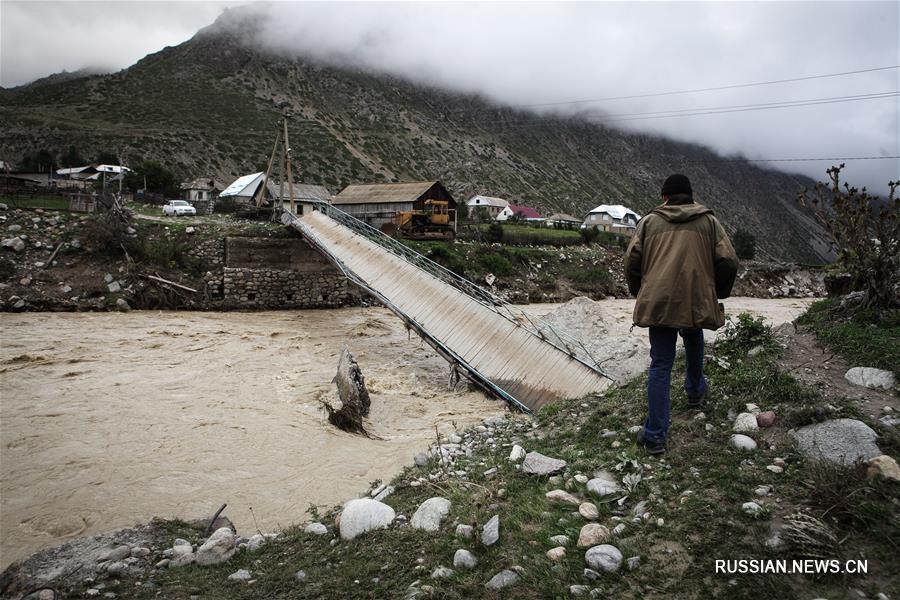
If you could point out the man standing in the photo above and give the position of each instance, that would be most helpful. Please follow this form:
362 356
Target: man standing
679 262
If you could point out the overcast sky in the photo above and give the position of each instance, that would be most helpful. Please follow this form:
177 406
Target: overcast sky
552 53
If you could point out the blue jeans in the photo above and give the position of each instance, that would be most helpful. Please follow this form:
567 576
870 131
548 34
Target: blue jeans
662 357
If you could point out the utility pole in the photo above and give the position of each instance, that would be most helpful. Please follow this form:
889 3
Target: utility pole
287 158
265 185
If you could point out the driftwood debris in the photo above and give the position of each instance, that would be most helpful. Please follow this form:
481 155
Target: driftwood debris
354 398
49 262
172 283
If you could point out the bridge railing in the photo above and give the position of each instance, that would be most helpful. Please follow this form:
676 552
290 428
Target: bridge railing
536 326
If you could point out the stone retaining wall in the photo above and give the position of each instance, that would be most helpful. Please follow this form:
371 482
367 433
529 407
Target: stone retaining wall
270 273
272 288
203 207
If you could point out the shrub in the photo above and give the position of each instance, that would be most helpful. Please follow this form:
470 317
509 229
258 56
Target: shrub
745 333
589 235
494 233
744 244
864 233
496 264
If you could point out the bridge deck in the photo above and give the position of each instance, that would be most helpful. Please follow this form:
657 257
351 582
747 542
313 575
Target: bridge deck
515 360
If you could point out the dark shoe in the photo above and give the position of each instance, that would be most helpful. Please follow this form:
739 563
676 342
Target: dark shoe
653 448
697 403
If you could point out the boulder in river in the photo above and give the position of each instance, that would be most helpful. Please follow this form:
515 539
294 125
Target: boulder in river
354 397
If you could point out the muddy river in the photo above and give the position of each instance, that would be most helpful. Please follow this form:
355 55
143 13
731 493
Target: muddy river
109 419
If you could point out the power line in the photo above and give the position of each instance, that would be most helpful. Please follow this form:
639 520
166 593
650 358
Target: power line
525 123
708 89
809 159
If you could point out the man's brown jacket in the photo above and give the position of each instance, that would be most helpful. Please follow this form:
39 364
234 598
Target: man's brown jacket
678 263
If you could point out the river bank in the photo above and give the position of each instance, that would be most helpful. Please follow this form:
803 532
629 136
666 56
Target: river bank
112 418
66 262
470 517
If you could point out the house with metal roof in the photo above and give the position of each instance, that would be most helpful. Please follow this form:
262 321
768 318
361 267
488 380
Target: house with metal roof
612 217
377 204
526 213
563 221
244 189
493 206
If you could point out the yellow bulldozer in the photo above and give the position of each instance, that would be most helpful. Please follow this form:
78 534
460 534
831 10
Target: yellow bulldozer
436 221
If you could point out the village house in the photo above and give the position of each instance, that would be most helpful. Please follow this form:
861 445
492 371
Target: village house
82 177
378 204
493 206
526 213
612 217
244 190
563 221
202 188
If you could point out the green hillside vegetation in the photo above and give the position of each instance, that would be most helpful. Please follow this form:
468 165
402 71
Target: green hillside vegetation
210 107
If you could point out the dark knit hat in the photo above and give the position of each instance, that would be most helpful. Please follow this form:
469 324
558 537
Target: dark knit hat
676 184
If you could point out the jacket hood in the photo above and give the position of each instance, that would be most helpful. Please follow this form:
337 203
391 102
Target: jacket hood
680 213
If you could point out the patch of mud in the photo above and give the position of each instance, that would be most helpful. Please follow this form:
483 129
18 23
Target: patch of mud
814 365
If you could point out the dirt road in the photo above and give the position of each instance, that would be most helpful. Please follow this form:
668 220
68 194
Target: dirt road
108 419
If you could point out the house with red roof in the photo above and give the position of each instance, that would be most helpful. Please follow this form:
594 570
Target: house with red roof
526 213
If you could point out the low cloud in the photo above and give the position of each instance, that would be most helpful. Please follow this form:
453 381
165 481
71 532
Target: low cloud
527 54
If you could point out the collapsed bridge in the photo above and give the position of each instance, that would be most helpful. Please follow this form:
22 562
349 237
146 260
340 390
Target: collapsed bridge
523 360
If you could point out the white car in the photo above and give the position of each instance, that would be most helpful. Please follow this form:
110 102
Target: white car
176 208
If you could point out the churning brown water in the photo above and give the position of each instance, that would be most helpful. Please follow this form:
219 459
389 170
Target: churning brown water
109 419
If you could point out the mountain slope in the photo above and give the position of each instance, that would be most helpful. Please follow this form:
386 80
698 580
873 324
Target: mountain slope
210 106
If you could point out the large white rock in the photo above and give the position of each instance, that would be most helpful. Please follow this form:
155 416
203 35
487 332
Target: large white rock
604 558
592 534
603 486
537 464
241 575
745 423
840 441
490 533
562 497
463 559
362 515
430 514
16 244
876 379
589 511
742 442
556 554
502 579
217 549
256 542
316 529
517 453
883 466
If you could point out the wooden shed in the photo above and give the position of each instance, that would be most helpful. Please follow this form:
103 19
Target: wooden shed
377 204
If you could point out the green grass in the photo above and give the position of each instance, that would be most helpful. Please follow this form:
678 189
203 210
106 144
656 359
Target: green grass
47 202
697 489
867 338
526 235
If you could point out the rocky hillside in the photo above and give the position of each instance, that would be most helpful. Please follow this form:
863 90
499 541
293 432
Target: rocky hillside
210 106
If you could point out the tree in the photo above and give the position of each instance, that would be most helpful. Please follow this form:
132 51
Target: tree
38 162
159 179
744 244
71 158
106 158
494 233
865 234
